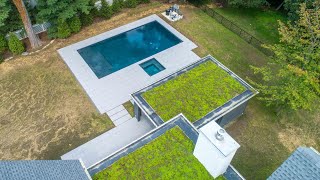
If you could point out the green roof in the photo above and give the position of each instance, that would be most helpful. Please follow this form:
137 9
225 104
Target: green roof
170 156
194 93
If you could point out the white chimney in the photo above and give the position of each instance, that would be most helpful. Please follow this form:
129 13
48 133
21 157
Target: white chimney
215 148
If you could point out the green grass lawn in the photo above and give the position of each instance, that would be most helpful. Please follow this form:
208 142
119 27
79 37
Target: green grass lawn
260 23
194 93
170 156
266 139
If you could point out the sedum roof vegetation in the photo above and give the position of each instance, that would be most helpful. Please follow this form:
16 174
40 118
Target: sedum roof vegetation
170 156
194 93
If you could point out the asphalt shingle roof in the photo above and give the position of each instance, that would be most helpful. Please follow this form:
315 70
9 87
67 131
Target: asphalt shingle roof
304 163
42 169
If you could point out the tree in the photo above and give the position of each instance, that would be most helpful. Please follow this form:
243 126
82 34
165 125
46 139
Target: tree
292 78
61 10
4 13
33 38
55 11
293 7
9 17
247 3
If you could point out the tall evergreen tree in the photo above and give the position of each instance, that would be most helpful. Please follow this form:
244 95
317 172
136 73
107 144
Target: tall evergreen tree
292 79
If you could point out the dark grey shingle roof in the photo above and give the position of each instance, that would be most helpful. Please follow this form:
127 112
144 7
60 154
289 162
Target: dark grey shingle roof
42 169
304 163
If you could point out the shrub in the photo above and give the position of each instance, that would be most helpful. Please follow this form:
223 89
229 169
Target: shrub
3 43
86 19
121 2
116 6
75 24
52 32
15 45
144 1
63 30
131 3
105 10
1 58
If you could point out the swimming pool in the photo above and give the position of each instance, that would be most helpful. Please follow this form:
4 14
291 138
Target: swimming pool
115 53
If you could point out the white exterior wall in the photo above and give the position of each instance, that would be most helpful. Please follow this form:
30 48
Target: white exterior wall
212 159
215 155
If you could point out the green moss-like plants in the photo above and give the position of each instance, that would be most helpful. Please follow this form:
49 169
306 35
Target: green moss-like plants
15 45
194 93
3 43
105 10
75 24
63 30
170 156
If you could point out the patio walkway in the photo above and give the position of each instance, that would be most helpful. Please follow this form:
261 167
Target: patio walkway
111 141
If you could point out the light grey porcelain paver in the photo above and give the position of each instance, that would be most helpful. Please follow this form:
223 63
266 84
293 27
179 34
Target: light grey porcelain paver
122 119
119 115
115 110
115 89
104 145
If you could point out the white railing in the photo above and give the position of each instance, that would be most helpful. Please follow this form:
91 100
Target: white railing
37 28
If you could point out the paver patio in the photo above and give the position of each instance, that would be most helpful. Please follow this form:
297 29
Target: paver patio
115 89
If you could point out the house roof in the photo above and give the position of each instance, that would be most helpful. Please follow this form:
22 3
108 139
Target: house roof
303 163
166 88
43 169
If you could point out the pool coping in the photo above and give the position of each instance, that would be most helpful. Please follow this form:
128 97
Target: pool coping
92 84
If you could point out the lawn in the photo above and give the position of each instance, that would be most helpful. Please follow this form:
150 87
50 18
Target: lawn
266 139
194 93
261 23
44 112
170 156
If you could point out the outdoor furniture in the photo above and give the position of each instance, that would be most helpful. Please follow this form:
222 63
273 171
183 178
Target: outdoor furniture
173 13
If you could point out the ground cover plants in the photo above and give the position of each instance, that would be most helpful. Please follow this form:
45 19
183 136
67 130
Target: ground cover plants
194 93
169 156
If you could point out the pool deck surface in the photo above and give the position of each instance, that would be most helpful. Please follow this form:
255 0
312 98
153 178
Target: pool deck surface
115 89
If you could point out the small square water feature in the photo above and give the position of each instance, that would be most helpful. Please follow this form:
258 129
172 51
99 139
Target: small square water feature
152 67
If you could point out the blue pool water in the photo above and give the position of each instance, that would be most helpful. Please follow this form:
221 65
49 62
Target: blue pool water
152 67
120 51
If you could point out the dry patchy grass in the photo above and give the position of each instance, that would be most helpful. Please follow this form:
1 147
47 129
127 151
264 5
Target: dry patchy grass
44 112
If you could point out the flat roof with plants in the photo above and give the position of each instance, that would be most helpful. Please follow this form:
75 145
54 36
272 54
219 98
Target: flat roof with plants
194 93
169 156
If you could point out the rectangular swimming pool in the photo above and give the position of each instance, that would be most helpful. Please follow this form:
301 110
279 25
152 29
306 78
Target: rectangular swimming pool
115 53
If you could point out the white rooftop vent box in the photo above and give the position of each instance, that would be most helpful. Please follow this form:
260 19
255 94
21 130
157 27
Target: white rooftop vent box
215 148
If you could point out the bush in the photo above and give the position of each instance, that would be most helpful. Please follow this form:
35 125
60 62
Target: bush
131 3
63 30
3 43
1 58
105 10
75 24
144 1
86 19
15 45
116 6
